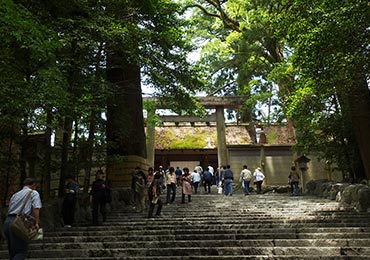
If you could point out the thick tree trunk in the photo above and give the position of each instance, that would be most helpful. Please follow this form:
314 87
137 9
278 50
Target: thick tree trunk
125 122
126 143
89 150
359 102
47 165
67 128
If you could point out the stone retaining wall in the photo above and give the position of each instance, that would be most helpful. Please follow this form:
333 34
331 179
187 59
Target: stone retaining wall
356 196
51 212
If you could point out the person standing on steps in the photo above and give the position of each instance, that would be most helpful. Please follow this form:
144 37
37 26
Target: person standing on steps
211 170
218 180
71 190
228 177
178 173
207 178
98 197
294 181
162 173
246 177
196 180
258 177
149 180
138 187
171 185
17 247
186 180
154 194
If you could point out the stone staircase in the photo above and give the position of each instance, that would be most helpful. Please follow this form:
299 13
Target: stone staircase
269 226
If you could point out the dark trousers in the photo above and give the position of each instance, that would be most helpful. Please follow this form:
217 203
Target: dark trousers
171 188
207 184
68 210
98 205
17 247
259 186
195 184
295 188
183 198
152 205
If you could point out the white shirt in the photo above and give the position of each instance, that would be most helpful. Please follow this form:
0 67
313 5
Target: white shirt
16 202
211 170
246 175
170 178
258 175
195 176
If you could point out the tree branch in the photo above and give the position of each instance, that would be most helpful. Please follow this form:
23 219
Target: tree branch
222 15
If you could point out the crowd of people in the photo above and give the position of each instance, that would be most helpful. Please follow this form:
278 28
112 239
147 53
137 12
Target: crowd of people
170 181
146 190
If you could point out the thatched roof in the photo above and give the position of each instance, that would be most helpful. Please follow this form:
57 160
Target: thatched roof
206 136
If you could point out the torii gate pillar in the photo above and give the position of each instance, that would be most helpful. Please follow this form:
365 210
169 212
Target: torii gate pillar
221 137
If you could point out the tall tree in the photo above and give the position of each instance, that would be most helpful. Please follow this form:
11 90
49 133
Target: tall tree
153 45
242 54
331 56
27 66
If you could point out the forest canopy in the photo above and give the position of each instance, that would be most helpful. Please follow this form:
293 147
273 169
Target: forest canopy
69 67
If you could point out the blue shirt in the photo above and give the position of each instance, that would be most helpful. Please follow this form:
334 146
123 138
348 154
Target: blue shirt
178 172
207 176
228 174
16 201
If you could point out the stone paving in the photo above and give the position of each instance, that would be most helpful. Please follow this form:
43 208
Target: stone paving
268 226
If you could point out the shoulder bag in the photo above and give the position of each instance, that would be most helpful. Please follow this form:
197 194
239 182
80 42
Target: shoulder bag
23 225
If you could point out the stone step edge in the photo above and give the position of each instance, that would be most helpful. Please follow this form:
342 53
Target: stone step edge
236 257
304 250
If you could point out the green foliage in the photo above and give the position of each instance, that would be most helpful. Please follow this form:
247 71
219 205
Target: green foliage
54 57
329 39
272 137
241 55
27 55
308 59
152 118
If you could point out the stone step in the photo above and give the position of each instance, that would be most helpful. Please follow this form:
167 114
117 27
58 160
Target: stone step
159 224
178 232
259 224
206 237
213 228
200 217
203 251
236 257
220 228
102 244
239 216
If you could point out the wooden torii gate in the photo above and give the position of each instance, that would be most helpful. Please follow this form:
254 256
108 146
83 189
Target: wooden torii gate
217 103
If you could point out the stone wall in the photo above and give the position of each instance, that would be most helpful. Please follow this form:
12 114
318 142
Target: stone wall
356 196
51 212
275 161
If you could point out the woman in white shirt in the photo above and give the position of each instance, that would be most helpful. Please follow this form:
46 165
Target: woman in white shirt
258 177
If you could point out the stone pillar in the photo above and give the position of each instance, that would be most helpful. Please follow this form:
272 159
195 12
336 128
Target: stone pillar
221 137
263 162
